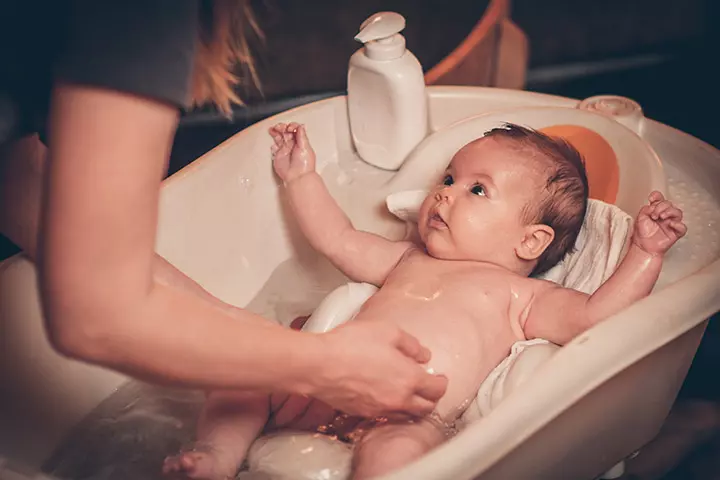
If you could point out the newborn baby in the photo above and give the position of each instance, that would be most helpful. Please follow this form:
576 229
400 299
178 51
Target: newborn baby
509 206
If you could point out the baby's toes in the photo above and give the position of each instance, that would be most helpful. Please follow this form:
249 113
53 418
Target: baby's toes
204 465
173 464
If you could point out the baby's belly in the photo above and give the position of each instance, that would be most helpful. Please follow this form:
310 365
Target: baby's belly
465 347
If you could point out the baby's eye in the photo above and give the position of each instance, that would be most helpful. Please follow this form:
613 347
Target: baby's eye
478 190
448 180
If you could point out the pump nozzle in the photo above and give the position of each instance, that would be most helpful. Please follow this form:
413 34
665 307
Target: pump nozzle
380 25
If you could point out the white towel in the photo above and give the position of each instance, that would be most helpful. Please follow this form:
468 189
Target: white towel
601 244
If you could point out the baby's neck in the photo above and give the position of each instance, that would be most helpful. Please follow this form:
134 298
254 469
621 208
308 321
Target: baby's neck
518 267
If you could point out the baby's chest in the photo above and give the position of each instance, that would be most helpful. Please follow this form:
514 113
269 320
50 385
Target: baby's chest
460 297
452 285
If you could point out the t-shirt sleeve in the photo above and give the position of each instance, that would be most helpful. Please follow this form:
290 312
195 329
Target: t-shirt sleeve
145 47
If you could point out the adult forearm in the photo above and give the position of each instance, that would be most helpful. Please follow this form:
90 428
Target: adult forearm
175 337
22 169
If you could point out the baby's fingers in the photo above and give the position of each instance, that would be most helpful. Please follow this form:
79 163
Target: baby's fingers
678 227
673 213
301 137
655 197
659 208
276 135
646 210
277 129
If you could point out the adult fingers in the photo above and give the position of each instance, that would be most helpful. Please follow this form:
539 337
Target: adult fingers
411 347
418 407
432 387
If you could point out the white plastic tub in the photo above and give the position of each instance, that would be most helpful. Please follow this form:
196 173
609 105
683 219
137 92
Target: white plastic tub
595 402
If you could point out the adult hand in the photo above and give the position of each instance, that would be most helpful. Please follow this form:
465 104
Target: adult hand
374 369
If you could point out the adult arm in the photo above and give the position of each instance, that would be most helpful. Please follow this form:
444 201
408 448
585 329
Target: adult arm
103 305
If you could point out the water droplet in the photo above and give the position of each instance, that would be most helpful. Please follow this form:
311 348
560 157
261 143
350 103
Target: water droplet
244 182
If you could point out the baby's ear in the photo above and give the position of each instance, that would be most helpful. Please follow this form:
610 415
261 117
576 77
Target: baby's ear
537 238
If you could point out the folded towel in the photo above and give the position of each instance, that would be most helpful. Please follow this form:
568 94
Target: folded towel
601 244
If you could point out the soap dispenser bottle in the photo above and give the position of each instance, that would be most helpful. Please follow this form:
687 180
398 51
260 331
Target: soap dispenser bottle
387 105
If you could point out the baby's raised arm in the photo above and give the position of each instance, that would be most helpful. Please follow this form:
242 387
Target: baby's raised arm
362 256
559 314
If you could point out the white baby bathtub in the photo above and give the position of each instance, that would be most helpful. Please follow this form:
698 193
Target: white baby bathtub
222 222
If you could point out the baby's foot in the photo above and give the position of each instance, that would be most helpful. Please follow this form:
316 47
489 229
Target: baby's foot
204 464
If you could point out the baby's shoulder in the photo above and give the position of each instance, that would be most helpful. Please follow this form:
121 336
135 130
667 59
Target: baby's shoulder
528 289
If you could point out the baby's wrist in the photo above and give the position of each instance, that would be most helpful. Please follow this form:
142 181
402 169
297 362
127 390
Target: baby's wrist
294 179
640 251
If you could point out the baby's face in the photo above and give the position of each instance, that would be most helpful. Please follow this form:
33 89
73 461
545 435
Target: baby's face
475 213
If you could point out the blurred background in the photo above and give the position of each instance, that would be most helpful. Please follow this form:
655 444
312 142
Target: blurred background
661 53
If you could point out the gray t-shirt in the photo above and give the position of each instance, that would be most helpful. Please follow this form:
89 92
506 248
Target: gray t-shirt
144 47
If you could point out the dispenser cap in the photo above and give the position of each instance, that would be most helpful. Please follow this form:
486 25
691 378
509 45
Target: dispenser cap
380 25
380 34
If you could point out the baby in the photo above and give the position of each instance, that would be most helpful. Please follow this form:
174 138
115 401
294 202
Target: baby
510 206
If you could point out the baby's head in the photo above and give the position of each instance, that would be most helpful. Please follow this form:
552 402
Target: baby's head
515 198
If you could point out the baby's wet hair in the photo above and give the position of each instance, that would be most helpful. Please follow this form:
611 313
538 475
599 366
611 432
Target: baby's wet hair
563 201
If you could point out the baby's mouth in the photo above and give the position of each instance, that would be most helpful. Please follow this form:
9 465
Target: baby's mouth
436 221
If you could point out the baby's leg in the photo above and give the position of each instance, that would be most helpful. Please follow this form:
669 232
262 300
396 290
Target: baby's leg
392 446
229 423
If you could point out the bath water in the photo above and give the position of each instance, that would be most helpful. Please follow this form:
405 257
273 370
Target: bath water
129 434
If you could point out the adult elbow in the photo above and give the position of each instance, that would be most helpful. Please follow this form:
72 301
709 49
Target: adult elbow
78 339
78 331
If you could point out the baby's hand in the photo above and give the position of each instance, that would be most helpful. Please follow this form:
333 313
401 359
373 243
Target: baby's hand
658 226
293 156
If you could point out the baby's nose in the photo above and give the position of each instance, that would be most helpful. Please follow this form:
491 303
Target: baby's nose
443 195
